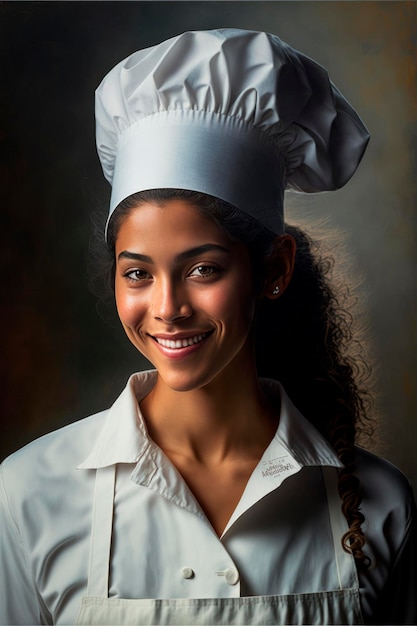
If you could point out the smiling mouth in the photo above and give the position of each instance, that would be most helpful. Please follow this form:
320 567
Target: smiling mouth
176 344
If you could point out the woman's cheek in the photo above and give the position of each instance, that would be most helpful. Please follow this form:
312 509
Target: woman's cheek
215 302
130 308
233 301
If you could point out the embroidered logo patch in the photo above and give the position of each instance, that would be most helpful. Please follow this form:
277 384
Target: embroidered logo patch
278 466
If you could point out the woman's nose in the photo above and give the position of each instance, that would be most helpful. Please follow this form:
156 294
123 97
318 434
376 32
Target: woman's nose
170 302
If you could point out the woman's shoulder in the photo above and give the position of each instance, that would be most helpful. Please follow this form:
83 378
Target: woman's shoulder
35 481
60 453
387 492
390 528
61 449
375 469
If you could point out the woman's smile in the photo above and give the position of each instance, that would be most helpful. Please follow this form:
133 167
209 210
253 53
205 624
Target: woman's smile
176 342
183 292
178 347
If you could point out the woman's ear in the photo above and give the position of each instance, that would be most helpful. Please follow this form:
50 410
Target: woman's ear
279 266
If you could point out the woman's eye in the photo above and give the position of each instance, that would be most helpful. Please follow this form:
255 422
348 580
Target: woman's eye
204 271
136 275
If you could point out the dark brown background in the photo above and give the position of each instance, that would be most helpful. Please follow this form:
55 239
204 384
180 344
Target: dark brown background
61 360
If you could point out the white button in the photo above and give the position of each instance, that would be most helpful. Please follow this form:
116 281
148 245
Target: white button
232 576
188 572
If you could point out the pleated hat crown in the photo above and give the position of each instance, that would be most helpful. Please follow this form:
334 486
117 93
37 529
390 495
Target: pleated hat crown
236 114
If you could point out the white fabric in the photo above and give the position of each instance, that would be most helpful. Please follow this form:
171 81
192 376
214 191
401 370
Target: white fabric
340 606
279 540
236 114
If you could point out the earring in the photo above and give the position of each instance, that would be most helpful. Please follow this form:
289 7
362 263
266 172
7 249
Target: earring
275 291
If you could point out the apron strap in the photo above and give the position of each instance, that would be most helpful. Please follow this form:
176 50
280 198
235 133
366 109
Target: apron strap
345 562
101 532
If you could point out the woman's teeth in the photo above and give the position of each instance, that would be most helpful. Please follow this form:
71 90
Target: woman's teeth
180 343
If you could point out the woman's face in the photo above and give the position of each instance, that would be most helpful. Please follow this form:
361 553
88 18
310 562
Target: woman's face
184 294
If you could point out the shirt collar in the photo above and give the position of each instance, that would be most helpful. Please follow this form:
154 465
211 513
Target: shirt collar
302 440
124 439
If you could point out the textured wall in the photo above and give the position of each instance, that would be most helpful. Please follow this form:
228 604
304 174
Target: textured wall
61 359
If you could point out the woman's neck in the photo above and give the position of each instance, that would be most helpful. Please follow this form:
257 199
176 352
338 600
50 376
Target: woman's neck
225 419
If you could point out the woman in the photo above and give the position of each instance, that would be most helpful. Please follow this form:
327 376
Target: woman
204 496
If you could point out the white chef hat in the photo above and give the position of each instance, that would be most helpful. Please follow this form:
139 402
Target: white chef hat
235 114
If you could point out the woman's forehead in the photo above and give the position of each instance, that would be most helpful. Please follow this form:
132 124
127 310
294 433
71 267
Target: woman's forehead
170 222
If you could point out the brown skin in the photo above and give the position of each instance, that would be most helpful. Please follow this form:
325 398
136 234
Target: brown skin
207 410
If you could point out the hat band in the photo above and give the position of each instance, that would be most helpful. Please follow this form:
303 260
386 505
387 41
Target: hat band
205 152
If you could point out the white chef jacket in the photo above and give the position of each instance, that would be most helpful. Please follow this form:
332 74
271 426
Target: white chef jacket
278 540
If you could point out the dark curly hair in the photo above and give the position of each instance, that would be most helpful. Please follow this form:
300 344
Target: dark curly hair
320 357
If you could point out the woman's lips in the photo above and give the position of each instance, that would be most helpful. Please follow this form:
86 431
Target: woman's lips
179 347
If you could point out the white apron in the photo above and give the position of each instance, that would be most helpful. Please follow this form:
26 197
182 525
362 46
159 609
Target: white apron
341 606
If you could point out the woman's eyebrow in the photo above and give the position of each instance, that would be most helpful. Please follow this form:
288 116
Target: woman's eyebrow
207 247
134 256
183 256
